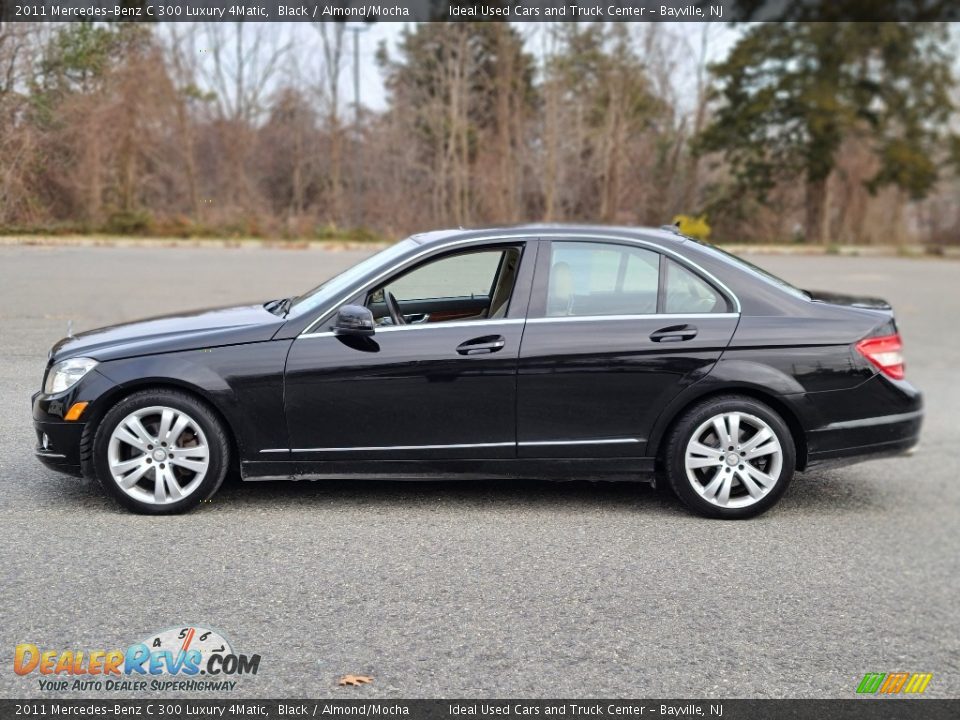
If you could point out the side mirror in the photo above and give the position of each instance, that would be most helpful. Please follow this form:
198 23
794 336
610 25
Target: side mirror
354 320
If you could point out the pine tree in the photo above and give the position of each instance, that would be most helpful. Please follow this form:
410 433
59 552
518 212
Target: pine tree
792 92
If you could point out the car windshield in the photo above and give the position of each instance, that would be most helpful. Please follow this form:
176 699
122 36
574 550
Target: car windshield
758 271
328 291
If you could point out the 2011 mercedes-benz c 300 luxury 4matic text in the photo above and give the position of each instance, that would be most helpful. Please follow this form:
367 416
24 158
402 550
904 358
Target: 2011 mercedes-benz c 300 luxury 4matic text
533 352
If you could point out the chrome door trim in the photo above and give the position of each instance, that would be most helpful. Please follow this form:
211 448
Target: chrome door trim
608 441
455 446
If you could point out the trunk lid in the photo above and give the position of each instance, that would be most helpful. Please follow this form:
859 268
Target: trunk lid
855 301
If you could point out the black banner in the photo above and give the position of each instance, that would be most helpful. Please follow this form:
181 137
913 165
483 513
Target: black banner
854 709
469 10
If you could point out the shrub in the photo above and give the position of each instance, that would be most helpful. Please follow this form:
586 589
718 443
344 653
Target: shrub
128 222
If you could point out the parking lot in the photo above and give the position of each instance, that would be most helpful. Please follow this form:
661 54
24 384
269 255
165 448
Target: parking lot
500 589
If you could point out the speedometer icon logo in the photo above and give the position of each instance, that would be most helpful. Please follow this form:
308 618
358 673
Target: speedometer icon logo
177 640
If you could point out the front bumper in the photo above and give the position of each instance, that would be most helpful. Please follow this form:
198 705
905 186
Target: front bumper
59 441
58 446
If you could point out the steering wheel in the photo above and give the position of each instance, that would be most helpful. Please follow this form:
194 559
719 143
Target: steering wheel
393 307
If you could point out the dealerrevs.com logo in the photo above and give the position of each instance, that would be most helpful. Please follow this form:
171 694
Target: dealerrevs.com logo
190 659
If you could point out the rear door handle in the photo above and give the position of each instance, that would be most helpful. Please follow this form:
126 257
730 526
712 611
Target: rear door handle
674 333
480 345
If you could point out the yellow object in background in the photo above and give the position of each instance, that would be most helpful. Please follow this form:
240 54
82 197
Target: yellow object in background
695 227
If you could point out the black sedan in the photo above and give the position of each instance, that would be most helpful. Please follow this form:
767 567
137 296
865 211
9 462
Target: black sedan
534 352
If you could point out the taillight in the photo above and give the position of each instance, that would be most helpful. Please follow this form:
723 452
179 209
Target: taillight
885 353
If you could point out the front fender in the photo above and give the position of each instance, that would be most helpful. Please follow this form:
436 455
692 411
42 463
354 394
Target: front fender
243 382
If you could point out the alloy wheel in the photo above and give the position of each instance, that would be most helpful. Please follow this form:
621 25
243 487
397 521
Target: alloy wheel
733 459
158 455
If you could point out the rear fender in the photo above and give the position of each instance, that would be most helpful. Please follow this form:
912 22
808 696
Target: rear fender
760 381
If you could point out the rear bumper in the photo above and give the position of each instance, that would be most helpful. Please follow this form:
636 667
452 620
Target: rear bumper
850 441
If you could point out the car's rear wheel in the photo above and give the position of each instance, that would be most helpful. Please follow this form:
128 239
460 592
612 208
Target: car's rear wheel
160 452
730 457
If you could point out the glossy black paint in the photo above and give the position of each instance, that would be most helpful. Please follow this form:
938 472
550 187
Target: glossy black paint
402 388
203 328
522 396
606 379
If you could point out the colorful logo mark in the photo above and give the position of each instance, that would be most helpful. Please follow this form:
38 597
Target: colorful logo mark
175 651
894 683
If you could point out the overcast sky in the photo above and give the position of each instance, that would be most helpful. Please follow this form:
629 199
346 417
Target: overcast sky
307 44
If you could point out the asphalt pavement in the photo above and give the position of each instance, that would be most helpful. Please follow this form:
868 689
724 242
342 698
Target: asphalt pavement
473 589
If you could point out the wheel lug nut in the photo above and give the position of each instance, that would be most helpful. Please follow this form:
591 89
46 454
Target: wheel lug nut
149 460
149 447
741 467
162 466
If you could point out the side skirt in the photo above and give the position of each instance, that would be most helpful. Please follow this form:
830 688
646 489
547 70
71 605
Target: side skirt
606 469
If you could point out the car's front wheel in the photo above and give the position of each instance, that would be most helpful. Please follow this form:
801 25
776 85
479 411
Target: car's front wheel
730 457
160 452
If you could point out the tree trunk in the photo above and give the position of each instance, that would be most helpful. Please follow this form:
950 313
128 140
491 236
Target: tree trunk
550 142
818 205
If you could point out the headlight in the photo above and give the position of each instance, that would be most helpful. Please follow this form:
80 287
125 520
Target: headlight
67 373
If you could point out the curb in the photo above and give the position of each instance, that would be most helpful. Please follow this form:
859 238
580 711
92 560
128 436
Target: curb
231 244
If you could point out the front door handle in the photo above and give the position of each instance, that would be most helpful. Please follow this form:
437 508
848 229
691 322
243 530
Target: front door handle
480 345
674 333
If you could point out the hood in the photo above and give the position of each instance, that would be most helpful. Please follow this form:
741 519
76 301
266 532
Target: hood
171 333
855 301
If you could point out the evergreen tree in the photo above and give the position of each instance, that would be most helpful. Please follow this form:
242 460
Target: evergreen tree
792 92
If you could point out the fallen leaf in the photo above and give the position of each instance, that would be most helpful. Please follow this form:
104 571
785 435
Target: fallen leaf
355 680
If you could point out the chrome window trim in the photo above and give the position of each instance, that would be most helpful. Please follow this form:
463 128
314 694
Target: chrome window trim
648 316
410 261
559 237
430 326
518 321
738 308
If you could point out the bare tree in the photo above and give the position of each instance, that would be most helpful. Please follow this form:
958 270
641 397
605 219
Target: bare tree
332 36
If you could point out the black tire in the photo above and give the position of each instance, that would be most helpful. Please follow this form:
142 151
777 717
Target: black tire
682 433
211 426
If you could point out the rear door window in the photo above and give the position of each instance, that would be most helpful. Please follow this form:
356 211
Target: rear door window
687 293
588 278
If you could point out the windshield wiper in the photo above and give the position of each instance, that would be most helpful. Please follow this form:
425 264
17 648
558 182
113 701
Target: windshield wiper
279 307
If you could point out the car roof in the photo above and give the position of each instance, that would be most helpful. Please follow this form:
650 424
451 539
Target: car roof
667 233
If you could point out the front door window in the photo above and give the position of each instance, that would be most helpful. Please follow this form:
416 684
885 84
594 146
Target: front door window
463 286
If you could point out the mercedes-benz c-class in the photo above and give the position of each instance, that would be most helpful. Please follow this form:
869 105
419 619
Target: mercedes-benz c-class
555 352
